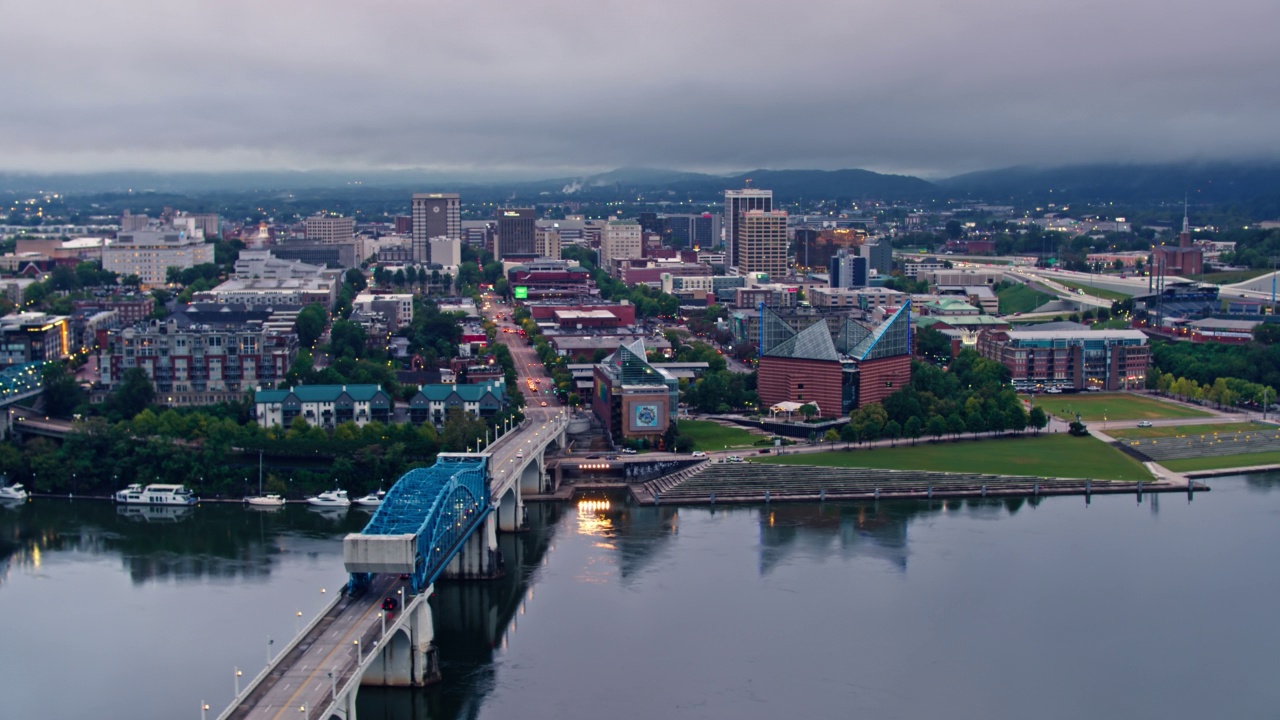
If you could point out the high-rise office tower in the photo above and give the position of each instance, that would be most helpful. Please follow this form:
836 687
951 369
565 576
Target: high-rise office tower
548 242
434 215
737 202
516 234
761 243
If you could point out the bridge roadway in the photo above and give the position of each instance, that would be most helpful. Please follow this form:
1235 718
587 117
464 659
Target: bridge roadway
298 683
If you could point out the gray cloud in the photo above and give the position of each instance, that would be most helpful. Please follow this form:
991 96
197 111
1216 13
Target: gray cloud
930 86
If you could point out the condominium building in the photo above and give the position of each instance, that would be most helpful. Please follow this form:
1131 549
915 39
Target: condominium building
326 406
761 243
150 253
737 202
435 215
330 229
33 337
197 364
1070 359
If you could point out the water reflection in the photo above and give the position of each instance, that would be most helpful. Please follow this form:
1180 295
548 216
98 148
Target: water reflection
212 540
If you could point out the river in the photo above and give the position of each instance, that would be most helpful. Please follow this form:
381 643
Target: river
1117 608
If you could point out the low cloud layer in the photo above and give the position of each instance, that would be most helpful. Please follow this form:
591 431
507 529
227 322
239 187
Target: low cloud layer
920 86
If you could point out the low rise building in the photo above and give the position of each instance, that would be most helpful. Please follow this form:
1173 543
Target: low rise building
396 307
326 406
633 399
1070 359
33 337
432 403
279 291
150 253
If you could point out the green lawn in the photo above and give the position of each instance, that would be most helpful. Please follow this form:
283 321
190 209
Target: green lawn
1113 406
1182 430
1056 455
1230 461
708 435
1020 298
1094 291
1228 278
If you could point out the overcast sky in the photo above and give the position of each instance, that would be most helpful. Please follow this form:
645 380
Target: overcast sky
919 86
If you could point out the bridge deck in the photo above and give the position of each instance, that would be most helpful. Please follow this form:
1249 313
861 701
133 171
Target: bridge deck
300 679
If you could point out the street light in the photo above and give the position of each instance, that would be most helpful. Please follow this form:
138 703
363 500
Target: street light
238 673
333 686
270 642
204 708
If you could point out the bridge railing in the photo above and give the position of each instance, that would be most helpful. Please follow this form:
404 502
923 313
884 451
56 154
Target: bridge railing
339 596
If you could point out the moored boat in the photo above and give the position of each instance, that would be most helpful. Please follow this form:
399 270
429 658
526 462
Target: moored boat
155 494
269 501
373 499
14 492
330 498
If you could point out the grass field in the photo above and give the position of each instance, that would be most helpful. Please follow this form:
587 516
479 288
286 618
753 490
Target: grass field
1094 291
708 435
1095 407
1057 455
1228 278
1020 298
1181 430
1229 461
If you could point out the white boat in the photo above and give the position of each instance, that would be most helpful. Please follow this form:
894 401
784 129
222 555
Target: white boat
13 492
330 498
261 500
371 500
271 500
155 494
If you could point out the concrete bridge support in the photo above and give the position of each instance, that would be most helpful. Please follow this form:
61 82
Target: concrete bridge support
407 656
479 558
533 476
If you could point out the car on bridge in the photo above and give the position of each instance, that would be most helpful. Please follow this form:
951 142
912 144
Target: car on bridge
389 604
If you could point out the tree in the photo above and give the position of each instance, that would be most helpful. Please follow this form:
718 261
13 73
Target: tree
346 339
937 426
310 324
954 229
893 431
831 436
355 278
1037 419
913 428
134 393
62 394
1078 429
808 410
848 433
399 277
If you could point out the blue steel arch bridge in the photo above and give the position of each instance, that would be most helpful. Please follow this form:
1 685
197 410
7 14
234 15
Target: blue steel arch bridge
438 507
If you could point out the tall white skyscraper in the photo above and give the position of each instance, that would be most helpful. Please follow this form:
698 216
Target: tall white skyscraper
737 202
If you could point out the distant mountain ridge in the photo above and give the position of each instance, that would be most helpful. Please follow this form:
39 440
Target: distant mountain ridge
1205 182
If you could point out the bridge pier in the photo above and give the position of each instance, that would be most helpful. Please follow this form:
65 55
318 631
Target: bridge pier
407 656
479 558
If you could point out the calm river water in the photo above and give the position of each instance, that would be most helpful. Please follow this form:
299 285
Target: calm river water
1006 609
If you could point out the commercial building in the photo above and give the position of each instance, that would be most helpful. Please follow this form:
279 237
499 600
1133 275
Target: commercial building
326 406
651 274
197 364
445 251
516 234
329 228
692 231
33 337
847 270
150 253
542 279
548 243
129 309
1070 359
622 240
737 202
761 242
862 298
397 308
879 255
273 292
343 255
263 264
435 215
633 399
